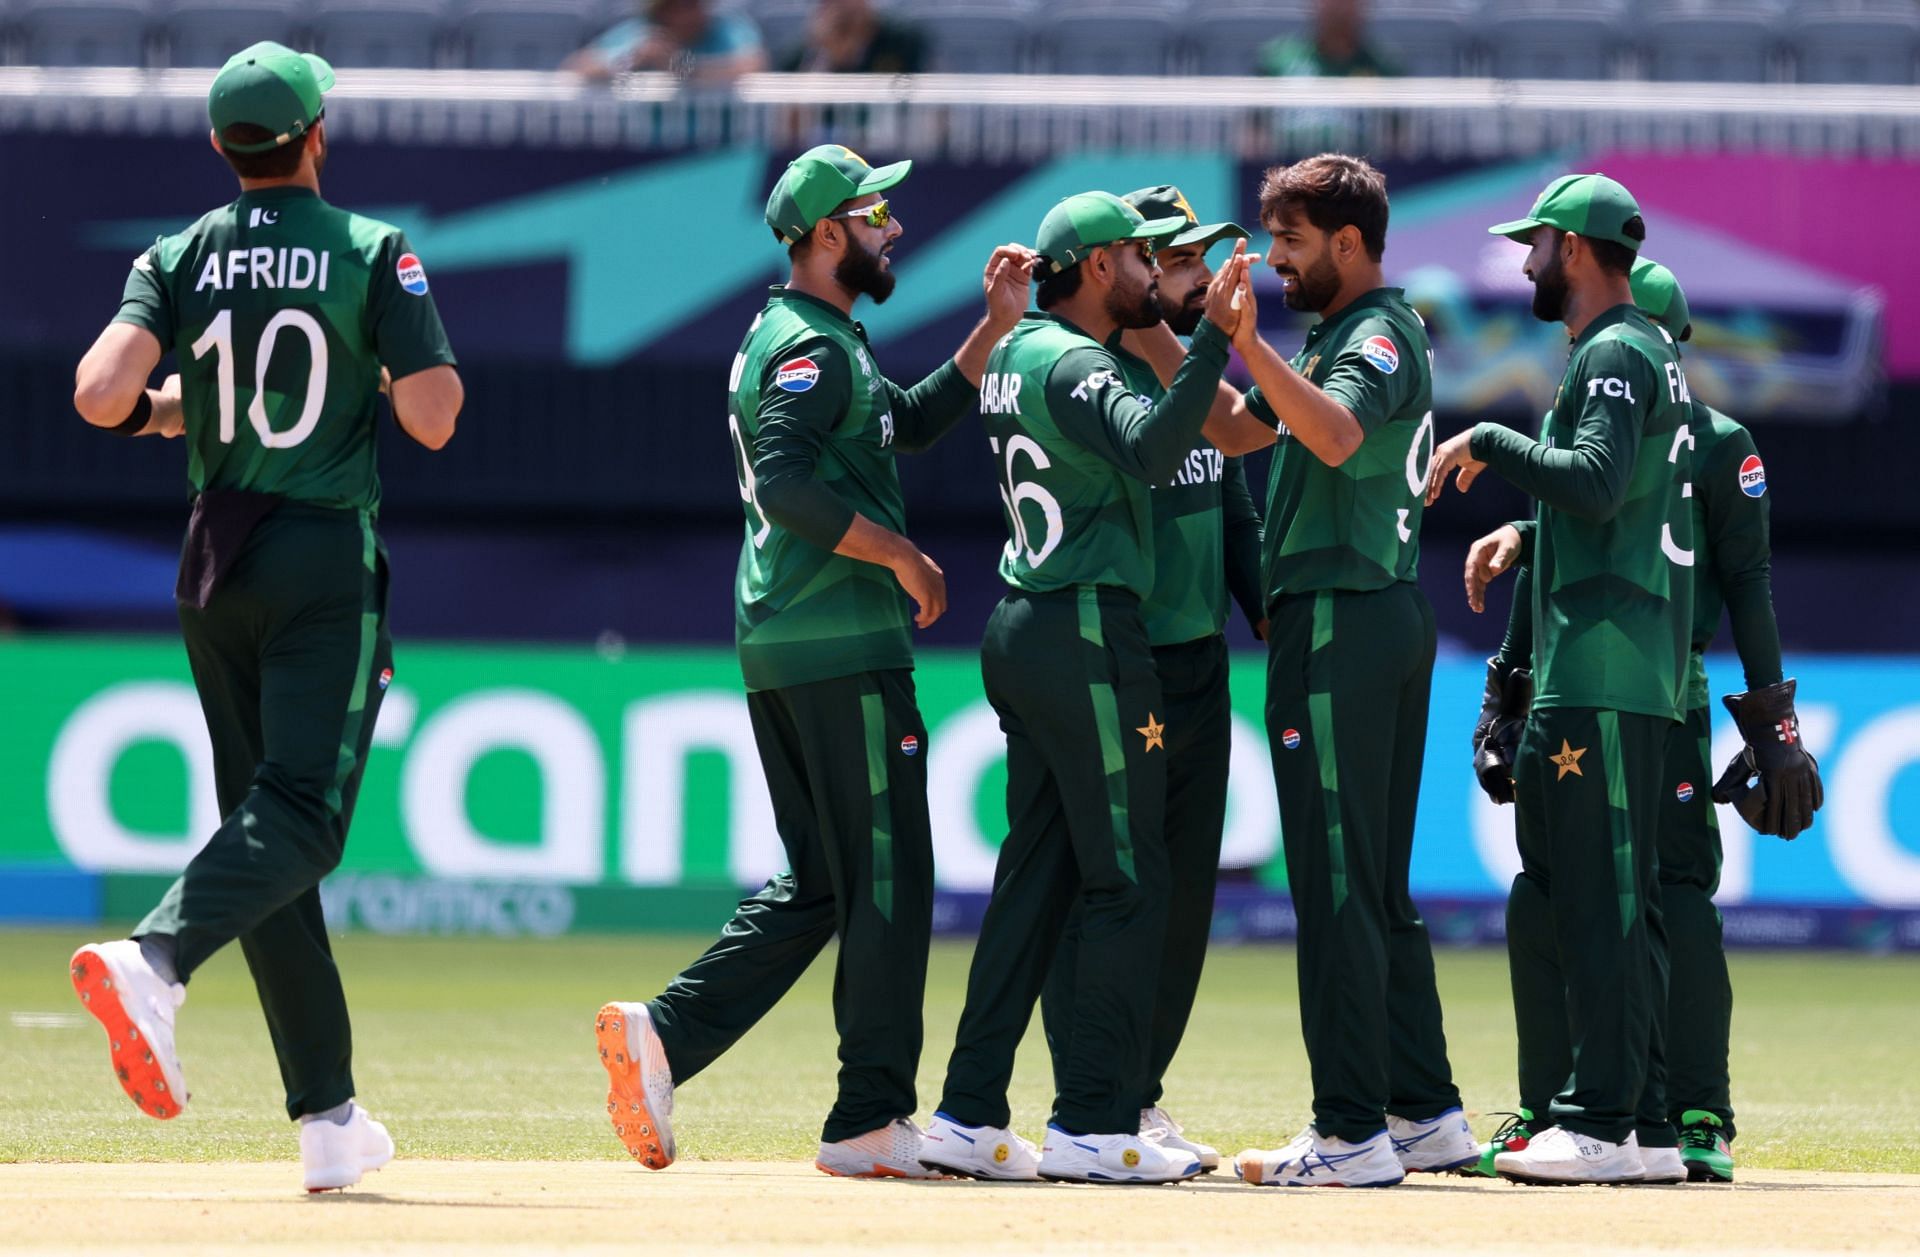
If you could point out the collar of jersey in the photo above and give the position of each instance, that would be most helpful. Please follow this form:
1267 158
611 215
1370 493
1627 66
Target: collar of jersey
1366 300
1601 322
279 192
1069 324
780 292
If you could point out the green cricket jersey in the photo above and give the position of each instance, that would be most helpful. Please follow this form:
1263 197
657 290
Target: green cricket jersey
1355 526
1206 534
814 430
1613 548
1077 446
280 310
1730 514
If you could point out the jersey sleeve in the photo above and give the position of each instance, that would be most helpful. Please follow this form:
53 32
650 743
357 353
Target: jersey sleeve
927 411
1088 397
1589 479
407 334
1375 374
1241 541
789 432
1740 552
1516 648
144 302
1260 408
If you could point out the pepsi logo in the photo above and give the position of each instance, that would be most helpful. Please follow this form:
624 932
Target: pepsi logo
797 375
909 745
1380 351
386 677
1290 738
1753 476
1684 792
413 276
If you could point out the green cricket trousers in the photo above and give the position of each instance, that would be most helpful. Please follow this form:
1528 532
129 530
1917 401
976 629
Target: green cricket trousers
291 658
1199 736
1699 992
1585 939
846 766
1072 677
1349 676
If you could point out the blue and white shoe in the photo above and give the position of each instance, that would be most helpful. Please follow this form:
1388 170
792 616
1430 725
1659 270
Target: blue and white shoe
992 1152
1128 1158
1438 1145
1314 1160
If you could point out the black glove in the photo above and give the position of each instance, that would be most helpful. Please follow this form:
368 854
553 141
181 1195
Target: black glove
1496 735
1773 782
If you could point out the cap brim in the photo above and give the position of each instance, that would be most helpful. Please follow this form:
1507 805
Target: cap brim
1208 235
1156 228
322 72
884 177
1520 229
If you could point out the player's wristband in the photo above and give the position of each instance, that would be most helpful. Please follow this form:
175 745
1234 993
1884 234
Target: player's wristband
136 421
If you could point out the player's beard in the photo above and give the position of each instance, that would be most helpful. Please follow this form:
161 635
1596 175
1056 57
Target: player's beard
1132 307
1313 289
862 272
1186 320
1550 291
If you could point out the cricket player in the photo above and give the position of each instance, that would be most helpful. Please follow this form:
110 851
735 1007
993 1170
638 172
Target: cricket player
1612 612
824 600
1350 649
285 316
1069 668
1206 542
1730 510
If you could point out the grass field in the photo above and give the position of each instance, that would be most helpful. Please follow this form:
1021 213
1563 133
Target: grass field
481 1048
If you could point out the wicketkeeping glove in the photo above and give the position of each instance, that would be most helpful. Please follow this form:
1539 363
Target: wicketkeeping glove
1773 782
1496 735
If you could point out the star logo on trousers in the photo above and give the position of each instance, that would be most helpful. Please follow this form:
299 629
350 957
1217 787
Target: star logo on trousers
1153 731
1568 759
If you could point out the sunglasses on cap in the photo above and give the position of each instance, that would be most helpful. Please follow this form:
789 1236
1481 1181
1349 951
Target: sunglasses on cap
879 214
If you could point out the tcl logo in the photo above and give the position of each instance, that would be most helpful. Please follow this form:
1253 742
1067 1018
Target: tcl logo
1612 386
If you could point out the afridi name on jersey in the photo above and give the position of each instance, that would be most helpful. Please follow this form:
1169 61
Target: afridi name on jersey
280 310
1070 433
1613 557
1355 526
805 380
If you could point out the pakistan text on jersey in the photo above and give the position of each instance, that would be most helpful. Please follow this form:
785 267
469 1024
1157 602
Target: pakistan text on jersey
1203 465
262 267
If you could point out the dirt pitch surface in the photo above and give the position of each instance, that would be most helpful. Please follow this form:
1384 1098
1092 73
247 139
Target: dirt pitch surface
442 1207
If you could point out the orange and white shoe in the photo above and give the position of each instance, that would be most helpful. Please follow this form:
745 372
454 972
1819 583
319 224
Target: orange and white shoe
117 985
639 1083
893 1151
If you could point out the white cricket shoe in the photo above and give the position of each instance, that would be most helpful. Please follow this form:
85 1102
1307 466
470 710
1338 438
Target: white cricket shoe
117 985
639 1083
1316 1160
335 1155
1157 1125
1659 1165
1130 1158
893 1151
994 1152
1438 1145
1559 1157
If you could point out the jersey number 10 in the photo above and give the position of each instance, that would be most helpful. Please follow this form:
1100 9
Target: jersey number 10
219 338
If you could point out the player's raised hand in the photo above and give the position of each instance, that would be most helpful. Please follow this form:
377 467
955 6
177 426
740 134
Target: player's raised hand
1007 280
1455 452
925 583
1229 297
1486 559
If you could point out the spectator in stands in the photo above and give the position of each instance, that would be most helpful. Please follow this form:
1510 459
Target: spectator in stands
682 36
848 37
1338 47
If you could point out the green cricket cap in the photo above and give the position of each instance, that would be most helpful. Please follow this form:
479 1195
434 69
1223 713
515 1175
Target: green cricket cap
271 86
1166 201
1084 222
1587 205
818 181
1658 294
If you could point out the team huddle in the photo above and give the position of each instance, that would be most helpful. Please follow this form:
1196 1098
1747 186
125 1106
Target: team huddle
1131 533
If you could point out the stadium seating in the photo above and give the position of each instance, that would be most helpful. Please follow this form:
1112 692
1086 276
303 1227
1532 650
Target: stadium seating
1814 41
384 34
